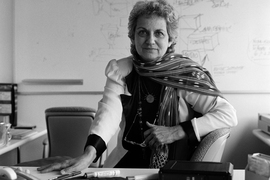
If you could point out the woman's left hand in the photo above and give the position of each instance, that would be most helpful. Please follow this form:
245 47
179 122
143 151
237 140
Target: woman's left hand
159 135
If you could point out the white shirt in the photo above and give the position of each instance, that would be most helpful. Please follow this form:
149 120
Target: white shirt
217 112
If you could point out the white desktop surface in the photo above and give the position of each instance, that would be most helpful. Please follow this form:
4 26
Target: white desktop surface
14 143
237 174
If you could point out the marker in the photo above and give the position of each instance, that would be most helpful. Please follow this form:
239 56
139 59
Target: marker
111 173
65 176
143 177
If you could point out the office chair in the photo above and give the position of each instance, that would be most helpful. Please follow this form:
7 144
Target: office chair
212 146
68 129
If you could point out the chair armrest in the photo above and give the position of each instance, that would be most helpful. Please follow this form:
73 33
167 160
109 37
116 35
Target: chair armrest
212 146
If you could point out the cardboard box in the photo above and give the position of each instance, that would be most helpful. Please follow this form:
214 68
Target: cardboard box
253 176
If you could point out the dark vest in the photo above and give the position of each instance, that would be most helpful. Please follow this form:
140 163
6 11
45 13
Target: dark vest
179 149
130 106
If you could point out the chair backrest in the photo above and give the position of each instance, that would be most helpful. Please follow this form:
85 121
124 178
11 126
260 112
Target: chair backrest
68 129
212 146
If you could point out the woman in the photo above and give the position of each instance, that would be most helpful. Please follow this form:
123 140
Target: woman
164 103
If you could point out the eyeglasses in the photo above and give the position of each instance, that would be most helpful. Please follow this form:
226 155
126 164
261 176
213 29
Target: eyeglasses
143 144
134 143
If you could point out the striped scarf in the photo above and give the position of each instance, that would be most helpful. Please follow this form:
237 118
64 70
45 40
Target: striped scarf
174 72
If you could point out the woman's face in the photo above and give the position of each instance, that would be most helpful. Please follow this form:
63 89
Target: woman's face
151 37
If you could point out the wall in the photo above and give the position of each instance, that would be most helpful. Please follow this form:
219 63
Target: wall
31 107
6 76
6 40
242 142
6 57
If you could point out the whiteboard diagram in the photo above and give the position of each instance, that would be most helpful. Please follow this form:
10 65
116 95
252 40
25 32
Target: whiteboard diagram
77 37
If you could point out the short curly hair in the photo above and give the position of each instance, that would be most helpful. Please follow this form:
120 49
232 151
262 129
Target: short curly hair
160 8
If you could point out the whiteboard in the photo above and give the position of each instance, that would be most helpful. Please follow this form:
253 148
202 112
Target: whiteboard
75 39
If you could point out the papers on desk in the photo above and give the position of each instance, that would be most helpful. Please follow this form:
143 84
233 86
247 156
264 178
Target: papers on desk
21 133
237 174
137 174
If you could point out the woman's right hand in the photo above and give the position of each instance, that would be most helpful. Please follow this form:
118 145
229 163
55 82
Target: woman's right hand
74 164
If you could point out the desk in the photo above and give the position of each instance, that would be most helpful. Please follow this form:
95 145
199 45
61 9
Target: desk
237 174
262 136
15 144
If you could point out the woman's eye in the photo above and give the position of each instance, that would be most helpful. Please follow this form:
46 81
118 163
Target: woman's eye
142 33
159 34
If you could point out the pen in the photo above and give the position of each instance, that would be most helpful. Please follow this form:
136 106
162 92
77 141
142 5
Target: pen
65 176
112 173
143 177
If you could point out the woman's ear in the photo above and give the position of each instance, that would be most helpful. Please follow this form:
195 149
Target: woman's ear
170 48
170 43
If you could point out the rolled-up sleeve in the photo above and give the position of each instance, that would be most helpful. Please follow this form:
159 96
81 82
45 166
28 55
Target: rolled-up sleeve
216 112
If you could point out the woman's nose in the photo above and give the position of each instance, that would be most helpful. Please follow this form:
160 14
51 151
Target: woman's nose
151 39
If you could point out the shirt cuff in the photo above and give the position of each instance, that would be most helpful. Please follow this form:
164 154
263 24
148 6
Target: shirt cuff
98 143
189 130
194 124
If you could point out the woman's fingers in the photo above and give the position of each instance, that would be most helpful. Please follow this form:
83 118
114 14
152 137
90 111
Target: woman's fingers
74 164
158 135
149 124
55 166
152 141
69 169
51 167
78 165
